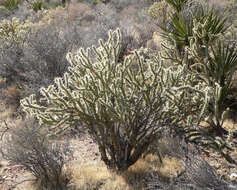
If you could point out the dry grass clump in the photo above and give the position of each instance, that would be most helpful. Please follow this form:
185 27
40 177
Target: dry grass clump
95 175
171 167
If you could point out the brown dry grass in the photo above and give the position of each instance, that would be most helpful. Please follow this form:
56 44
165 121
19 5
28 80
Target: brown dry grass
95 175
171 168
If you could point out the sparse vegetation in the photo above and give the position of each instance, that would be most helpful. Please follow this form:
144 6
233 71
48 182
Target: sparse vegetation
153 104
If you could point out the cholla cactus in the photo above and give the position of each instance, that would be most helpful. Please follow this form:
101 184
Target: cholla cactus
13 30
124 104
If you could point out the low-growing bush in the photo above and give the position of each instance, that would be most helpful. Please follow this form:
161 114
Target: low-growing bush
12 37
26 145
34 56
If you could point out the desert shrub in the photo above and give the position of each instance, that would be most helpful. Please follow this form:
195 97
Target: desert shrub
12 36
39 56
11 68
45 54
120 4
36 58
124 103
26 145
80 12
158 11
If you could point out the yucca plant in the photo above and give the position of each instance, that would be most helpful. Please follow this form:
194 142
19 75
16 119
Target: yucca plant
212 61
176 4
203 26
209 27
178 33
11 4
38 5
222 63
217 70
